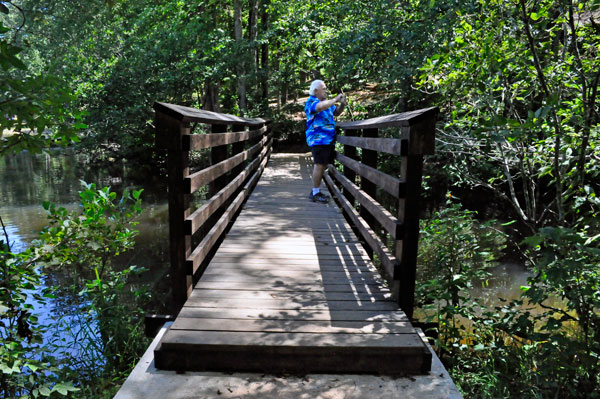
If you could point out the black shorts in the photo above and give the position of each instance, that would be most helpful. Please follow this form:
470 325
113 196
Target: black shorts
323 154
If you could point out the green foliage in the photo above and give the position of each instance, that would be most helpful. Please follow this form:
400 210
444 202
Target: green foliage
98 340
85 243
519 84
567 267
455 253
28 366
35 112
546 343
89 240
122 56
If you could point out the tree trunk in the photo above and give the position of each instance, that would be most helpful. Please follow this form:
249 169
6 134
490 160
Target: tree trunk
264 56
240 70
210 102
276 68
252 30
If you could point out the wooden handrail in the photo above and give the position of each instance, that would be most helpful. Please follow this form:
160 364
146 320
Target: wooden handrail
192 115
229 179
201 215
417 138
206 245
390 146
389 222
198 179
200 141
404 119
387 259
388 183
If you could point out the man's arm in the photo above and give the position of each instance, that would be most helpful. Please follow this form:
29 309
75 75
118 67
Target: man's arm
323 105
340 109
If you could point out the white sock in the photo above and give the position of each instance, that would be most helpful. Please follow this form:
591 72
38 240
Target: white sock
316 190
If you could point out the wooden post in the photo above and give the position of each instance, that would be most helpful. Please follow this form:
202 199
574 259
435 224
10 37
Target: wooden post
168 134
420 139
217 154
350 152
236 148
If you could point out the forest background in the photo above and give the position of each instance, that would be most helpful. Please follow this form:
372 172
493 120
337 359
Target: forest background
517 85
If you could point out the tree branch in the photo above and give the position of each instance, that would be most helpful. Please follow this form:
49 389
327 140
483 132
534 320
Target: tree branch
559 311
5 234
542 77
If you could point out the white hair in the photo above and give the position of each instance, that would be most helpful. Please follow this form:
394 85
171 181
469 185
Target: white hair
314 85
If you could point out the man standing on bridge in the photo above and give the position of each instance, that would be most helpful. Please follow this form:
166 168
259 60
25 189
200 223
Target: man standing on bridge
320 133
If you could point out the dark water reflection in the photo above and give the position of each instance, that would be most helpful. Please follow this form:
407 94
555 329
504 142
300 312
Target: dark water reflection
26 181
506 282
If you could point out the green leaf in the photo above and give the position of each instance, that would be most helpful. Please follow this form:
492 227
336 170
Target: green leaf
16 62
33 367
63 388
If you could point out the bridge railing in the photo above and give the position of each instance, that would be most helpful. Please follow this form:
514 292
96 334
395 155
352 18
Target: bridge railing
397 222
237 158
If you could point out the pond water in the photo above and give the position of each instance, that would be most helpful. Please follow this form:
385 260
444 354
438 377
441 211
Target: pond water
26 181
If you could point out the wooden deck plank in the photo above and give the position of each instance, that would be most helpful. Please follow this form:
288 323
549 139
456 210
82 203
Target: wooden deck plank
291 250
281 304
332 316
291 295
286 266
185 338
295 275
282 243
294 326
344 259
295 287
285 279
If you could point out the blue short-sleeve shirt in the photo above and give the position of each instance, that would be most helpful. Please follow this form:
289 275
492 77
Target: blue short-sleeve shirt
320 127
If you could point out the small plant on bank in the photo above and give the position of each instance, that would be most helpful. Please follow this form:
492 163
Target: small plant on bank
109 313
455 253
543 345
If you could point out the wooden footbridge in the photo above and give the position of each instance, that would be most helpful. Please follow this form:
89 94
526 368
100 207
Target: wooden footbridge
265 280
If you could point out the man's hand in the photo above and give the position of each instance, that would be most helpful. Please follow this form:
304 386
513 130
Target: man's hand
325 104
341 98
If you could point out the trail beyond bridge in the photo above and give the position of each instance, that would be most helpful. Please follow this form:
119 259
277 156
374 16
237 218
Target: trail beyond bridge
266 281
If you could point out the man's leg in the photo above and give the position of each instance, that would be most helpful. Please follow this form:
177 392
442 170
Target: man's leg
321 155
317 176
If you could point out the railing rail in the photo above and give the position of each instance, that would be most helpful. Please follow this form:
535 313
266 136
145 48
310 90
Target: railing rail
237 159
417 139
